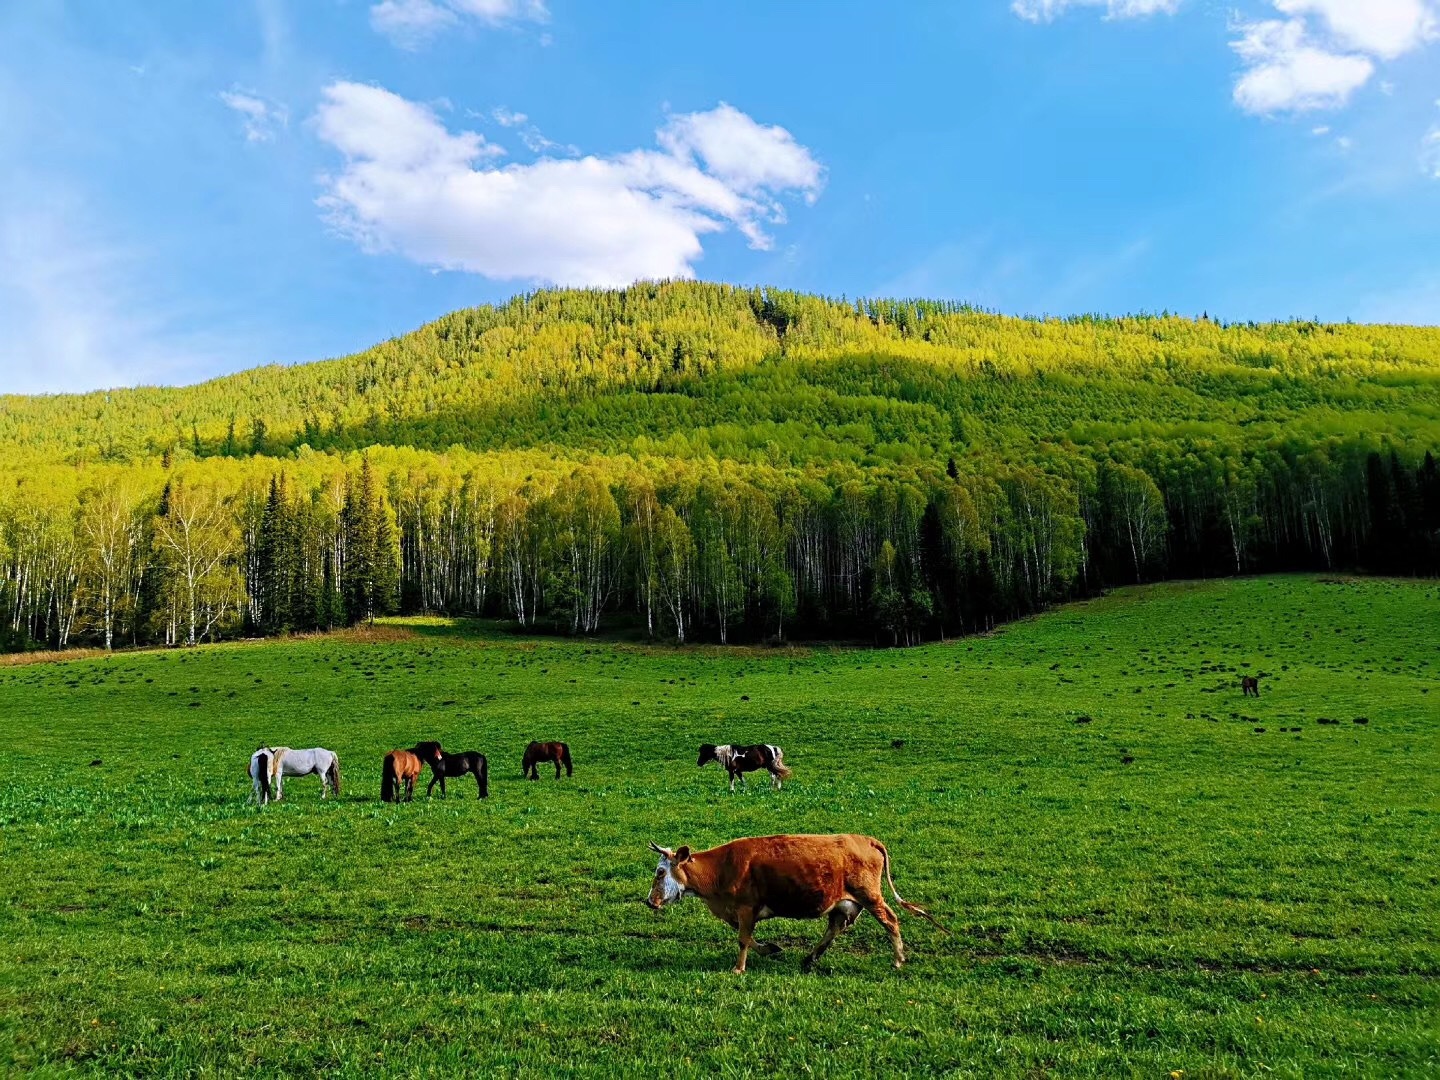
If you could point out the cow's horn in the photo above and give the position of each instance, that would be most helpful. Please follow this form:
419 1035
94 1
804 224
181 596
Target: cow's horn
656 847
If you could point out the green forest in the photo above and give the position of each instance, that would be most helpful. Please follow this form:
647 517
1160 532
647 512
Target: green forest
701 462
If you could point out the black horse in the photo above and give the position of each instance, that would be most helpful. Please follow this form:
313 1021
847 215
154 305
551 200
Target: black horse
470 762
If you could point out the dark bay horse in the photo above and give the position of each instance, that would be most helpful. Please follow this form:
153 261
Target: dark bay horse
470 762
1250 686
738 760
402 768
537 752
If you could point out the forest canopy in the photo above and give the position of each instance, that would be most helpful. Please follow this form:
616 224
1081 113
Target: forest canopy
711 462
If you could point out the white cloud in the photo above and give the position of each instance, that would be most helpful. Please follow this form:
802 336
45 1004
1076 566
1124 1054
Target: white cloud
1316 56
508 117
411 186
1325 50
1050 10
1380 28
1289 73
411 23
259 117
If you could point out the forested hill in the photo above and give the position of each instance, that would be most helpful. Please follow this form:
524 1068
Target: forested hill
686 369
706 461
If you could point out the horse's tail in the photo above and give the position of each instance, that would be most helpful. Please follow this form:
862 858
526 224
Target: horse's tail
914 909
389 783
527 760
484 776
779 767
565 759
334 773
261 775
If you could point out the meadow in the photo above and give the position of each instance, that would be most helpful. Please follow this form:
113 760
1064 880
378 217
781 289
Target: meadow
1144 873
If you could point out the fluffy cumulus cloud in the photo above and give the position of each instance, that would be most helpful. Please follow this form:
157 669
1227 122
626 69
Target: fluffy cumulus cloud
1324 50
259 118
411 23
1049 10
1285 70
410 185
1296 55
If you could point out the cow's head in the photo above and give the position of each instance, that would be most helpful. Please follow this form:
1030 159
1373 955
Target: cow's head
707 754
670 877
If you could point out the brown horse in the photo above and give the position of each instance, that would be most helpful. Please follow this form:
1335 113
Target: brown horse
402 769
1250 686
537 752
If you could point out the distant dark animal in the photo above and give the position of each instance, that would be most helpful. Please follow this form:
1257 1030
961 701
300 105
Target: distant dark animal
402 768
786 877
1250 686
471 762
537 752
738 760
96 762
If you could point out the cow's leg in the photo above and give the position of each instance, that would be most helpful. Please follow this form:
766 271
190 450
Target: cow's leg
875 904
841 917
732 783
745 922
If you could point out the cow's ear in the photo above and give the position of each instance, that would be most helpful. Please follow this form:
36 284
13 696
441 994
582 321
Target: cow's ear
682 855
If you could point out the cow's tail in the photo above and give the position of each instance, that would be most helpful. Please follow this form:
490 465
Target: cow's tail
779 768
261 775
914 909
484 777
334 772
389 784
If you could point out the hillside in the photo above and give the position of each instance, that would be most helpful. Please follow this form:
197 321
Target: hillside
720 461
763 373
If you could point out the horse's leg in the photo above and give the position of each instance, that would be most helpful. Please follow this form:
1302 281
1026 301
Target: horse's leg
557 768
433 777
443 795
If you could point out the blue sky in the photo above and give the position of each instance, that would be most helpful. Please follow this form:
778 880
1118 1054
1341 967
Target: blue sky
190 189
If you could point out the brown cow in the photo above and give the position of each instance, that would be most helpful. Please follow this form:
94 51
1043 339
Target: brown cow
786 877
1249 686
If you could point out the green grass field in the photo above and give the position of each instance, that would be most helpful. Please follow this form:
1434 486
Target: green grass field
1163 888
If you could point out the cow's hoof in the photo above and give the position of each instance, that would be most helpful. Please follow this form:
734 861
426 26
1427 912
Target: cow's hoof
771 949
807 965
737 971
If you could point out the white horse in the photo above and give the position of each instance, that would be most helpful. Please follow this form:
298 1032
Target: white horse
264 769
316 761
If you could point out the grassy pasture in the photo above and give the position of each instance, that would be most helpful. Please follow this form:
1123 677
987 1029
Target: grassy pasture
1162 888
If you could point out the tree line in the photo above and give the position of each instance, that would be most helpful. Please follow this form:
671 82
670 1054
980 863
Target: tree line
182 549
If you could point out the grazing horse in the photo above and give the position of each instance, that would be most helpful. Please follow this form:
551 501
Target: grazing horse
471 761
402 768
1250 686
738 760
263 778
537 752
316 761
